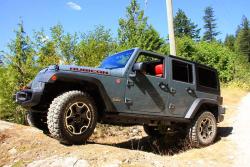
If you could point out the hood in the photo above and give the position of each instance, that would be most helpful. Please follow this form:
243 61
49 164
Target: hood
91 70
83 69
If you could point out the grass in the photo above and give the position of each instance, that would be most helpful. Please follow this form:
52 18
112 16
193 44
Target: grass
19 163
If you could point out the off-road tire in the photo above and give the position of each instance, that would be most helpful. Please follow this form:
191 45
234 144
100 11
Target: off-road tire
152 131
37 120
194 132
57 118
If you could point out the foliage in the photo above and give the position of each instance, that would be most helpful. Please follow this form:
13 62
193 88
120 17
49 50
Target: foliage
230 42
183 26
210 25
46 50
65 44
135 32
94 46
243 39
19 72
212 54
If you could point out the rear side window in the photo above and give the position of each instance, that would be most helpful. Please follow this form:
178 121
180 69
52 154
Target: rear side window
182 71
207 78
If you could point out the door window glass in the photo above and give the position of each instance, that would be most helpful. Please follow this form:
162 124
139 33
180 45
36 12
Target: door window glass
182 71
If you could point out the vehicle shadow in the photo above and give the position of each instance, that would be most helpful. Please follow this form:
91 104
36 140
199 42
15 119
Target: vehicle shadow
168 145
223 132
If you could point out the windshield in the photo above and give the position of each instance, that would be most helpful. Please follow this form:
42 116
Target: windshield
118 60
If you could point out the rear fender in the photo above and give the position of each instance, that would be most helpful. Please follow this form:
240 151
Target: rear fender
196 106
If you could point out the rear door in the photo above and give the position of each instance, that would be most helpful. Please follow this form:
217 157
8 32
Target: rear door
182 86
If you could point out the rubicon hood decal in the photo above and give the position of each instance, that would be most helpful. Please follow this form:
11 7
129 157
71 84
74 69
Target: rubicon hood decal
86 70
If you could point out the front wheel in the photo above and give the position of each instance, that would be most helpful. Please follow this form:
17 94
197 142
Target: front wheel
203 130
72 117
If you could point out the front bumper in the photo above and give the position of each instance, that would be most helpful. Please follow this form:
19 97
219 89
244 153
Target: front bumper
28 97
221 113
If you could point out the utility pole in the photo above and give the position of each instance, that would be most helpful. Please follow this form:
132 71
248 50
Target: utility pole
169 5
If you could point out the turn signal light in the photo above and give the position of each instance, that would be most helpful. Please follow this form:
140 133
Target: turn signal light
53 78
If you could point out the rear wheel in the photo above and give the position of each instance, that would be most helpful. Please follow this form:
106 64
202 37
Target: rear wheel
37 120
203 130
72 117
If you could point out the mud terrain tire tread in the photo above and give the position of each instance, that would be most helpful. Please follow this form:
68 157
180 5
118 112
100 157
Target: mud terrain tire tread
55 118
192 135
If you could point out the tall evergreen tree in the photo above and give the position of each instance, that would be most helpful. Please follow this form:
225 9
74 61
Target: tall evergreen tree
19 70
210 25
21 56
243 38
183 26
135 32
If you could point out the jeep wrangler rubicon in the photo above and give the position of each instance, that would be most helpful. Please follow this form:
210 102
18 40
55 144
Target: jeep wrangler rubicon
133 87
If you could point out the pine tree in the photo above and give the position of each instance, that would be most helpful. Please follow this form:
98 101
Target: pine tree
19 70
135 32
243 38
21 56
210 25
183 26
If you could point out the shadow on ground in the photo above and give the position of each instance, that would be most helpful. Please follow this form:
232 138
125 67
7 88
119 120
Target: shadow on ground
169 145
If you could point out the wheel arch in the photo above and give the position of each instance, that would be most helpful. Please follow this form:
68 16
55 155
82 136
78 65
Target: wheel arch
201 105
90 85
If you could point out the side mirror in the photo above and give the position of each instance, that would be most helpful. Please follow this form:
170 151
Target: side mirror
139 67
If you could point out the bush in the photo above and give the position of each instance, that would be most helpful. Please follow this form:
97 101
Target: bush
212 54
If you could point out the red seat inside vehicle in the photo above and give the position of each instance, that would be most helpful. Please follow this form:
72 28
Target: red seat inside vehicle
159 70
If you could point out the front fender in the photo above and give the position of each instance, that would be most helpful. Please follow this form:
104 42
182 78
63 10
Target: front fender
91 79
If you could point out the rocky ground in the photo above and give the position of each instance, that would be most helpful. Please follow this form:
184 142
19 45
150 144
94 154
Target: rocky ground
130 147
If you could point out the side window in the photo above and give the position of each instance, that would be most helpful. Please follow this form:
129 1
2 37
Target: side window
182 71
204 74
154 64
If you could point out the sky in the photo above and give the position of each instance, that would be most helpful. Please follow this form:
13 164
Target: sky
85 15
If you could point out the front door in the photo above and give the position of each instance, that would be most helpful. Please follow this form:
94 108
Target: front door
145 92
182 87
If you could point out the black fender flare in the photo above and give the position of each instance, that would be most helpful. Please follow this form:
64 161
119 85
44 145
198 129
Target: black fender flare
196 106
81 79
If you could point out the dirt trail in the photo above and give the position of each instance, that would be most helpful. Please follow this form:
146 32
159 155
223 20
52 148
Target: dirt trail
241 133
130 147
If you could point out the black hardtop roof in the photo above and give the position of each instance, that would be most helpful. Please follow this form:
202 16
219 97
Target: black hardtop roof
179 58
198 64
